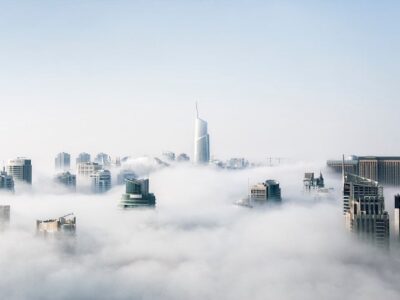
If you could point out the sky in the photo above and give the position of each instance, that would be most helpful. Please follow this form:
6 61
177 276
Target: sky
305 80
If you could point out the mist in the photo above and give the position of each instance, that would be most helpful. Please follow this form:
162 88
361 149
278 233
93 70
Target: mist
196 244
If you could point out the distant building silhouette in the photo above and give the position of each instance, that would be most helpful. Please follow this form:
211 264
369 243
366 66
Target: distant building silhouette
62 161
83 158
101 181
311 182
67 179
6 181
103 159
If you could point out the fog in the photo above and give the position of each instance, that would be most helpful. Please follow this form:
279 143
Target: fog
196 244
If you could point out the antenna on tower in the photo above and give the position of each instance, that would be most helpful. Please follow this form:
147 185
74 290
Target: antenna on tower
197 110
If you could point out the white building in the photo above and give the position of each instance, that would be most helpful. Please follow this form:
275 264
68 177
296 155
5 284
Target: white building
88 168
201 142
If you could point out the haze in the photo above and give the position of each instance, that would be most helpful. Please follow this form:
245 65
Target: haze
272 78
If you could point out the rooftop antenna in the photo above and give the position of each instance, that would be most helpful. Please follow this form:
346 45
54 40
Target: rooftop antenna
197 110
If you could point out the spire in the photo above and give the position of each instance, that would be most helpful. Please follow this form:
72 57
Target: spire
197 110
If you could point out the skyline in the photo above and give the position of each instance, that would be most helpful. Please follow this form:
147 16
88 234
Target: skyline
76 75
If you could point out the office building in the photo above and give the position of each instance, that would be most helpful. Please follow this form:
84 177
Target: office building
101 181
201 142
20 169
384 169
364 209
397 216
6 181
103 159
88 168
67 179
269 191
4 216
350 165
310 182
83 158
137 194
64 224
62 161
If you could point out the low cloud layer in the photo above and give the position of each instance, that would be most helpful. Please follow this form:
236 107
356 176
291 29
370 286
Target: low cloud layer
195 245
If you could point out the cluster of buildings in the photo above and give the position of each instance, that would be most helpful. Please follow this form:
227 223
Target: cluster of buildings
384 169
268 192
63 225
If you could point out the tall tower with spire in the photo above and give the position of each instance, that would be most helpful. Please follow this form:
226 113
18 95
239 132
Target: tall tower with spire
201 141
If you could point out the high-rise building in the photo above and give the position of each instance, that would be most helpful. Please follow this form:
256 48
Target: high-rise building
20 169
62 161
101 181
64 224
201 142
88 168
397 216
103 159
310 182
6 181
137 194
350 165
67 179
83 158
384 169
364 209
269 191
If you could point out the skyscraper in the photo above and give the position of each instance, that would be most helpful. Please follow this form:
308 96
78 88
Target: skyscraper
20 169
62 161
101 181
364 209
137 194
6 181
103 159
201 141
397 216
67 179
269 191
83 158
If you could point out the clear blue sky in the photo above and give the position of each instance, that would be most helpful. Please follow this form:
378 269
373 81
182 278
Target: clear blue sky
281 78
